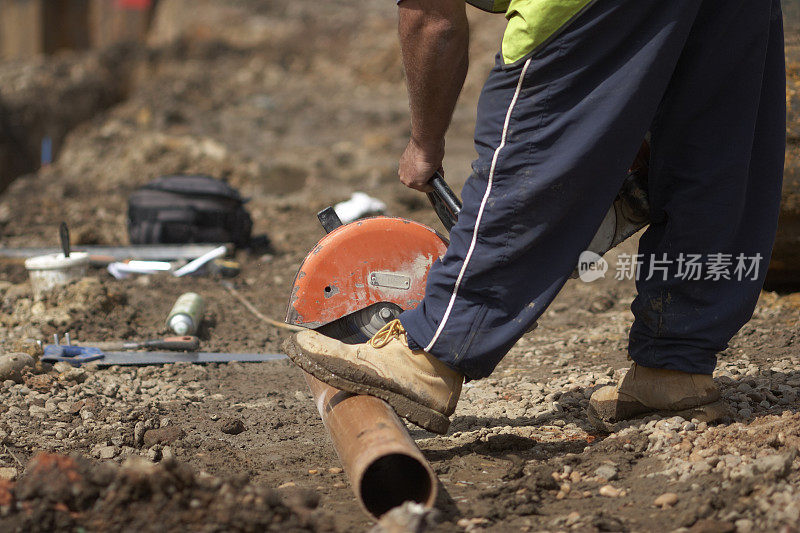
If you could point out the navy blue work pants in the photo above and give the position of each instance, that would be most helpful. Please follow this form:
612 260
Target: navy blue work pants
555 135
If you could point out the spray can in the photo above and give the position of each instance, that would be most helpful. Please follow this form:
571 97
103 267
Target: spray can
186 314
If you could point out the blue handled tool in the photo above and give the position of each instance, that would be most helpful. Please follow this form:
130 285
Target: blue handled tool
74 355
78 355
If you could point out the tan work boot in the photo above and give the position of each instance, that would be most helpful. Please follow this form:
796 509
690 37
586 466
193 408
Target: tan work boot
417 385
656 390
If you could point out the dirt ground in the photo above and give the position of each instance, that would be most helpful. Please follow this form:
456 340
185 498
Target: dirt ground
299 105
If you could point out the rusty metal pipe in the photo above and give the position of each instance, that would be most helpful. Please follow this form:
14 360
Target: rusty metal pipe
382 461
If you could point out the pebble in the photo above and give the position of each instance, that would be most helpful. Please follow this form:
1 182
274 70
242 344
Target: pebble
154 454
668 499
335 470
607 472
105 452
232 426
138 433
8 473
609 491
410 516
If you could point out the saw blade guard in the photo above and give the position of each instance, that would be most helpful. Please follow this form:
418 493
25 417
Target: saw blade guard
379 260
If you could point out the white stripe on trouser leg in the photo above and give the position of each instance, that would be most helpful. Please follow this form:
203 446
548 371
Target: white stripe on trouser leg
480 211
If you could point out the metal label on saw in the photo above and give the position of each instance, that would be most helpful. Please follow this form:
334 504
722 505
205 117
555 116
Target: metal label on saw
390 280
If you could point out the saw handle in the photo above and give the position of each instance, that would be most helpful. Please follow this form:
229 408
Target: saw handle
444 201
187 343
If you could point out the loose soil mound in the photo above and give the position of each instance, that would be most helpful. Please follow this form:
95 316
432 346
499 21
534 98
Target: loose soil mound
70 493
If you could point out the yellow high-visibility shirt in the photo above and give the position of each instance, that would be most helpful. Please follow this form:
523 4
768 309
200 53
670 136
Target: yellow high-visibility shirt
532 23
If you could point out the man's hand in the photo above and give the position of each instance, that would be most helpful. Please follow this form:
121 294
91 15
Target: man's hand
418 163
434 38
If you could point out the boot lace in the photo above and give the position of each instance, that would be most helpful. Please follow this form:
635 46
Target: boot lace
392 330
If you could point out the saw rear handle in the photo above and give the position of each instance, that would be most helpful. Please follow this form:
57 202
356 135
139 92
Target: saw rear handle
442 198
444 201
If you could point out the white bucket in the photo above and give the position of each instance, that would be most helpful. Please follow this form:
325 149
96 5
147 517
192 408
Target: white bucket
53 270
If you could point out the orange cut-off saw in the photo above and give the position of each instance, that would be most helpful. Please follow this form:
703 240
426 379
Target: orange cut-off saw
362 275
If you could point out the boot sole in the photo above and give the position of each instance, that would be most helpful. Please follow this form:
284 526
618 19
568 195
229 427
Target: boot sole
414 412
709 413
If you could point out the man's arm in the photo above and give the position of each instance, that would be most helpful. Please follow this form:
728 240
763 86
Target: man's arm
434 38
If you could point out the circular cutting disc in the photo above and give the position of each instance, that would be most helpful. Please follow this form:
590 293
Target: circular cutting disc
362 325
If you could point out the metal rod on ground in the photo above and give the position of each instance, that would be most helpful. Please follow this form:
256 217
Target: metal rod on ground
384 465
250 307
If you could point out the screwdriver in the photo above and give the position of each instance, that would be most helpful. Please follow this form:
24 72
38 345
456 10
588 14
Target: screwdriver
187 343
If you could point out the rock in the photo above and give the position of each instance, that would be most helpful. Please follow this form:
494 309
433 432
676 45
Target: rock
78 375
8 473
232 426
138 433
37 411
668 499
30 347
410 517
335 470
62 366
473 524
777 465
162 436
154 454
744 525
609 491
712 526
12 366
607 472
167 455
105 452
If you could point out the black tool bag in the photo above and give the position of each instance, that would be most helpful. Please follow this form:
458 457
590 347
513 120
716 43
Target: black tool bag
188 209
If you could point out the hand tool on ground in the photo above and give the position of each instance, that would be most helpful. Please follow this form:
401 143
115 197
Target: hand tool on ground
187 343
103 255
160 358
362 275
125 269
75 355
196 264
78 355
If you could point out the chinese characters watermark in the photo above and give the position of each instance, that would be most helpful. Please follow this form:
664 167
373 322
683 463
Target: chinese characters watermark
684 266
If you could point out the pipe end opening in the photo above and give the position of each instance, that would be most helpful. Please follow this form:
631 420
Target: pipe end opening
394 479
